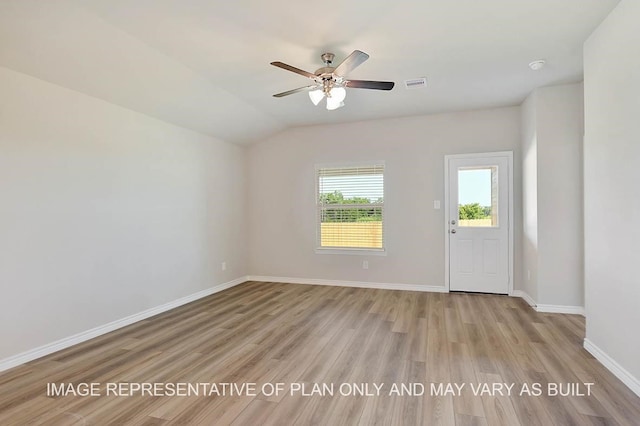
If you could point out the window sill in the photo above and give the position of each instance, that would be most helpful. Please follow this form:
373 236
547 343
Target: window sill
354 251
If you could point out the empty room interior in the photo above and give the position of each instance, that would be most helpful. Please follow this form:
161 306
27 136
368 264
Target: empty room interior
364 212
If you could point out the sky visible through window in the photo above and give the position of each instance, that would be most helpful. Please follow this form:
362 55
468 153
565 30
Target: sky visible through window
367 186
474 186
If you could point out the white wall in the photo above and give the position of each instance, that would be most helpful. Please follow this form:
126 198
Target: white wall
552 129
560 128
530 196
105 212
612 186
282 218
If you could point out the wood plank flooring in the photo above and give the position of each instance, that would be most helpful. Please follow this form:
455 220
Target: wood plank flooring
301 335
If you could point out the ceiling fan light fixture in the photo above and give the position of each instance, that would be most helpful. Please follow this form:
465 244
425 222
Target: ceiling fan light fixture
316 96
334 104
338 94
336 97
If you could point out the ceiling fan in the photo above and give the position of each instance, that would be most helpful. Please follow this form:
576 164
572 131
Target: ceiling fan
330 82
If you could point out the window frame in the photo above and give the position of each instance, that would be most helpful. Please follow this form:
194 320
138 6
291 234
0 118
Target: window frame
362 251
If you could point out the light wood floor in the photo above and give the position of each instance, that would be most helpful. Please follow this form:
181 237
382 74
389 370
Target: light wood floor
271 332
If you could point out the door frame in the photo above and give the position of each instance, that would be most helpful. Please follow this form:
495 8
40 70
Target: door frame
447 158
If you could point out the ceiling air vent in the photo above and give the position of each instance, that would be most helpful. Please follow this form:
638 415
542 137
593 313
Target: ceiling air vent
415 83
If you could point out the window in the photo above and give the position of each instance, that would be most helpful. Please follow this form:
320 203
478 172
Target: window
478 196
350 204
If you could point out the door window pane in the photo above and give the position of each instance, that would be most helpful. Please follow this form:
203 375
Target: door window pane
478 196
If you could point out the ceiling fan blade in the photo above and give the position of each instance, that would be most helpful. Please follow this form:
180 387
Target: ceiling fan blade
350 63
366 84
293 69
299 89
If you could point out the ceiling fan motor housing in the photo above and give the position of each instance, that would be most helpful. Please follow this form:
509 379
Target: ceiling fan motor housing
324 71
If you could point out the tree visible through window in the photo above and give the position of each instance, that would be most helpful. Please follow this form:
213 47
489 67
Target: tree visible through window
350 207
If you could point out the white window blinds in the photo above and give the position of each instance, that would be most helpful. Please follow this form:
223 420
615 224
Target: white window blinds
351 207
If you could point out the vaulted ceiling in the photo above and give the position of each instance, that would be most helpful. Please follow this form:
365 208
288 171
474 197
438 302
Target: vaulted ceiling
204 64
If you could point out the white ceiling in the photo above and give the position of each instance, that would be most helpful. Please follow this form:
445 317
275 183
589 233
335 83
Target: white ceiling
204 64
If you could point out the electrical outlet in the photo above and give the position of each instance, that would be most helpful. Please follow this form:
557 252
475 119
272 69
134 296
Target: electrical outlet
223 266
436 204
365 264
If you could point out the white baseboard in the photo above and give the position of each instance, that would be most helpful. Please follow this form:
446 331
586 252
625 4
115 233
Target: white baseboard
625 377
360 284
58 345
561 309
554 309
525 296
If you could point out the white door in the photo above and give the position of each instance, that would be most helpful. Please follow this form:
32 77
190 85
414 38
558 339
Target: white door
478 223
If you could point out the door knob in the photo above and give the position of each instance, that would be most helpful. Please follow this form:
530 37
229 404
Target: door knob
453 222
453 231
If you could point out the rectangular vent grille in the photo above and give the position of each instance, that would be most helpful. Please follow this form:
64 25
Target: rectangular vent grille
415 83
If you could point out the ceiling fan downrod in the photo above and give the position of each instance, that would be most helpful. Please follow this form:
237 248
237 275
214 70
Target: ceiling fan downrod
327 58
